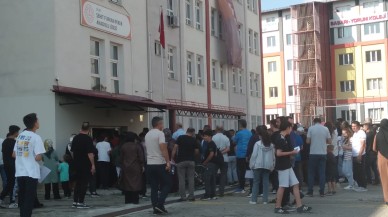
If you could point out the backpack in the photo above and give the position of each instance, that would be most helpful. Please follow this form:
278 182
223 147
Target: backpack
218 158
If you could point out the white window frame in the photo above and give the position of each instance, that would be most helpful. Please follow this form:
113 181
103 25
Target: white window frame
171 51
272 66
214 74
372 28
374 83
190 68
370 7
220 30
213 22
200 70
234 80
254 6
288 16
345 59
189 12
158 48
273 92
344 32
289 65
251 78
256 43
222 77
344 11
271 41
240 81
291 90
95 57
115 82
288 39
257 85
347 86
376 114
198 14
250 40
373 56
349 115
270 117
170 8
270 20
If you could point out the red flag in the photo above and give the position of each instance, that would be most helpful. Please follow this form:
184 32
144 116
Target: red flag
161 31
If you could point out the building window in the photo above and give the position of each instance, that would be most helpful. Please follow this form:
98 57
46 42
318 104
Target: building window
200 123
271 42
273 92
291 90
222 77
344 11
270 20
256 84
289 65
256 43
198 14
344 32
272 66
371 28
234 80
288 39
220 26
114 62
240 81
213 22
371 7
170 8
158 48
189 12
251 78
347 86
252 5
199 70
171 62
345 59
374 84
189 65
250 40
214 74
239 33
288 17
95 64
270 117
373 56
349 115
376 114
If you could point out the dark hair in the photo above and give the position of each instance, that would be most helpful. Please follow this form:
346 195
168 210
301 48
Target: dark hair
142 135
85 126
356 123
208 133
284 125
145 130
66 158
30 120
295 127
330 126
242 123
190 130
155 121
317 120
345 124
131 137
231 130
273 122
253 131
12 130
263 133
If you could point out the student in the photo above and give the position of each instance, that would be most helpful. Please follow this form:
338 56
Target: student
358 144
331 170
103 162
28 151
347 164
63 169
211 167
286 174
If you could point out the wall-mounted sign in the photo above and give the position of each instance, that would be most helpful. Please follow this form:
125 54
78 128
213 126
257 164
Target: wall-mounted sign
104 19
361 19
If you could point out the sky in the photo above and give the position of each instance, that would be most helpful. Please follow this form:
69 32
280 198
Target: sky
272 4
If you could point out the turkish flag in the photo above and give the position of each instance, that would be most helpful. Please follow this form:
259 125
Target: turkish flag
161 31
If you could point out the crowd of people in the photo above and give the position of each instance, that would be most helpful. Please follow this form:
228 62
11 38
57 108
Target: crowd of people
281 160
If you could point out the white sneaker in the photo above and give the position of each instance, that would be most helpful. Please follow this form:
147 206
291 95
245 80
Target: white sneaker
249 195
13 206
265 203
260 195
360 189
349 187
252 203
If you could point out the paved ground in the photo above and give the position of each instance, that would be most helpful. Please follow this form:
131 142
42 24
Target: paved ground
344 204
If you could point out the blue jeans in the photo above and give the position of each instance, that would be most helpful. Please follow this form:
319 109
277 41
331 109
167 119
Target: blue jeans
259 174
3 175
232 172
159 179
317 163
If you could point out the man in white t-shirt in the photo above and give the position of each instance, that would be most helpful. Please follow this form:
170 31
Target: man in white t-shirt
103 162
158 165
223 144
28 151
358 148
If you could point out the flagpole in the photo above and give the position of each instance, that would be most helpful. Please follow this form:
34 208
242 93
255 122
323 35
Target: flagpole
162 63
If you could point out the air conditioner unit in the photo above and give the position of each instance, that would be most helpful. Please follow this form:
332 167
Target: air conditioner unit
172 21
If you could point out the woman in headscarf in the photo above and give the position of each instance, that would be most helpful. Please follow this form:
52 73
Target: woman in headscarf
51 161
381 146
132 167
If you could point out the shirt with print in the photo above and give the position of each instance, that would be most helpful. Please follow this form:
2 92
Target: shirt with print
283 162
241 139
211 147
103 149
186 148
63 169
82 146
28 146
152 141
356 140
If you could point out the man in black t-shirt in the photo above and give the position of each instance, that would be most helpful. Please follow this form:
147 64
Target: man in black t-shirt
184 151
211 167
82 148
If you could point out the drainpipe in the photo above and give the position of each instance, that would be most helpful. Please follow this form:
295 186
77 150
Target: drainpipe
208 61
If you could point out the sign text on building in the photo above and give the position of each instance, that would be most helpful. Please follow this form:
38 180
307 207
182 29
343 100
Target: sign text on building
361 19
104 19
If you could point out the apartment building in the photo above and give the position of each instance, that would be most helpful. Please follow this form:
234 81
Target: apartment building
101 61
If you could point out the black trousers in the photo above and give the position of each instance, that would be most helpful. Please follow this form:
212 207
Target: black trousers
47 191
241 170
359 172
144 185
66 189
103 171
82 178
131 197
10 173
27 195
